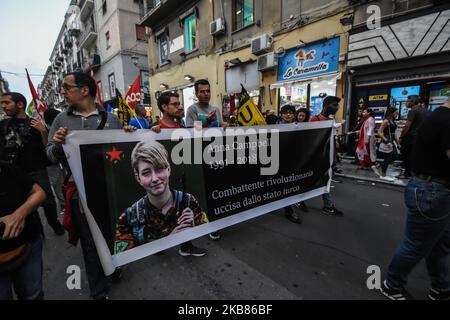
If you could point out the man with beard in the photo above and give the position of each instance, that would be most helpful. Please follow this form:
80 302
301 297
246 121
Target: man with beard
79 90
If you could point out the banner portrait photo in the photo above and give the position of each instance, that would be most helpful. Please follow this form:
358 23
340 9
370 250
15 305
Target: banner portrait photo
144 192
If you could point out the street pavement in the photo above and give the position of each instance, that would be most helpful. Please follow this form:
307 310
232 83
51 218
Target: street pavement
267 258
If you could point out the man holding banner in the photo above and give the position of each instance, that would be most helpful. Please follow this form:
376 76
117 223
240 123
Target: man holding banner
209 115
79 91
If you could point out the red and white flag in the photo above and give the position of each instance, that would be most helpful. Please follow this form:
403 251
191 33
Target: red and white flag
133 97
99 95
39 106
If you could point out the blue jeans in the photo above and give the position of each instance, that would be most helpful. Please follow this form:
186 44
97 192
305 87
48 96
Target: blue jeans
27 279
427 235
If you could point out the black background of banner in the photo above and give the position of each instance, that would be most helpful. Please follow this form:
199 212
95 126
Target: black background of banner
300 151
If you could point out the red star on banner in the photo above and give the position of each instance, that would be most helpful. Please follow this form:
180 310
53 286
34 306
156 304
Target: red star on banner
114 155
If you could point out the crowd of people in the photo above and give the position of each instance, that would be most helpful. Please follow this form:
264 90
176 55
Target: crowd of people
34 172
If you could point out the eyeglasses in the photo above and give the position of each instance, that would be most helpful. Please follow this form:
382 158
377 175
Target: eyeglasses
176 104
67 86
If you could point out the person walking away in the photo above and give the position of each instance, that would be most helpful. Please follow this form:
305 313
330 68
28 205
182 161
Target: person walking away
366 149
409 133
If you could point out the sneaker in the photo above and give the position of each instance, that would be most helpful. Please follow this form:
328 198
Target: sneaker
294 217
395 294
376 170
214 235
58 228
302 206
402 176
386 178
435 294
332 211
116 276
191 251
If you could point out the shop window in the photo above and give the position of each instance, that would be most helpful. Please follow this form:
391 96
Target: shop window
190 33
163 47
242 14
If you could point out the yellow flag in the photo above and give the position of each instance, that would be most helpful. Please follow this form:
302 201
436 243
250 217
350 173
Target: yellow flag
248 114
125 113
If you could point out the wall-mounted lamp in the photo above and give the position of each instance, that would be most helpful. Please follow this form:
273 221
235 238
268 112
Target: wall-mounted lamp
188 77
164 86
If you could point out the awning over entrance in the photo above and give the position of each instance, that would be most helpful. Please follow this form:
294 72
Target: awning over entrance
330 77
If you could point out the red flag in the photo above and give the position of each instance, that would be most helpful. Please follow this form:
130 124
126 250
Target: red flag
99 95
38 104
133 97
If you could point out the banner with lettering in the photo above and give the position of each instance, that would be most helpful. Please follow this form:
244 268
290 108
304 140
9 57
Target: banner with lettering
145 192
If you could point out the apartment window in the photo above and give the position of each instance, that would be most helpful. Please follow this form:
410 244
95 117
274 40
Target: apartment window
107 40
243 13
163 46
190 33
140 33
104 7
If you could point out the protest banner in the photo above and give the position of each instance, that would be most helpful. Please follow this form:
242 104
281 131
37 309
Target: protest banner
224 177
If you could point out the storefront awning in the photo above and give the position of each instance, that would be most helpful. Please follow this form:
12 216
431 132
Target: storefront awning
286 84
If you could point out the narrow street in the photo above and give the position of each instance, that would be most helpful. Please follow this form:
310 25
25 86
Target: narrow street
267 258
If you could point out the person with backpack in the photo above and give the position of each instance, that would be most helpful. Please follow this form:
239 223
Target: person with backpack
79 90
162 211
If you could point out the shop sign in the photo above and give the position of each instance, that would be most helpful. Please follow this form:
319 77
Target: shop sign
311 60
379 97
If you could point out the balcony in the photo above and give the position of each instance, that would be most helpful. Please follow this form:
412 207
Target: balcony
86 9
89 37
158 11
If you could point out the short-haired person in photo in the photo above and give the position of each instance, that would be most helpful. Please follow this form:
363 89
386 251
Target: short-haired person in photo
162 211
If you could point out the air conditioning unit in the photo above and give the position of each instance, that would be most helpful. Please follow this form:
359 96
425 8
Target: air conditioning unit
216 27
261 44
267 61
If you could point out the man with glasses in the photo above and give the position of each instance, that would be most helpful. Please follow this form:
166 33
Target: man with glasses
79 91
